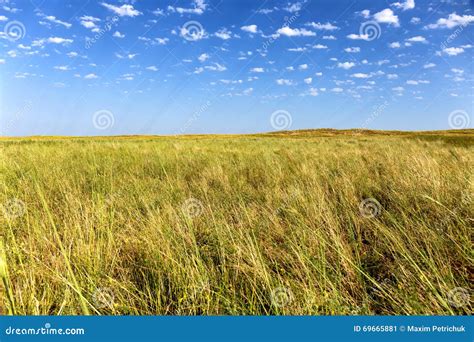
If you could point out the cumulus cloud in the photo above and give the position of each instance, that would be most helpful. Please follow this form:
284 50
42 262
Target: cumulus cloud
122 11
223 34
394 45
203 57
117 34
286 82
360 75
387 16
289 32
352 49
249 28
91 76
53 19
407 5
318 26
355 36
319 46
417 39
295 7
453 51
199 7
257 70
89 22
346 65
452 21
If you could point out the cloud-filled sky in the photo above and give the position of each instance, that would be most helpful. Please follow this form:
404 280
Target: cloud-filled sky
237 66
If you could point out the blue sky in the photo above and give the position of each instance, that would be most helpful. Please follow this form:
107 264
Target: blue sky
172 67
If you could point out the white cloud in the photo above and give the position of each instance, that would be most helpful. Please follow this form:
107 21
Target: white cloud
453 20
412 82
457 71
3 18
320 46
346 65
299 49
53 19
89 22
453 51
295 7
417 39
392 76
72 54
158 12
360 75
152 68
398 89
318 26
352 49
216 67
337 90
330 37
247 91
62 67
162 41
429 66
223 34
282 81
407 5
203 57
387 17
354 36
308 80
394 45
122 11
365 13
52 40
303 67
128 56
257 70
415 20
249 28
117 34
91 76
199 8
2 61
319 74
287 31
313 91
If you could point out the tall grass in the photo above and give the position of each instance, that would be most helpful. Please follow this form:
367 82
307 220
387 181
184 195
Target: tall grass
236 225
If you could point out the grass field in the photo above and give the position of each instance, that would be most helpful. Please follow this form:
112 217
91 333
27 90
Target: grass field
310 222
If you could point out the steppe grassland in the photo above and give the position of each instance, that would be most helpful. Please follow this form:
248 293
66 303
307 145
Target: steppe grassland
237 225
